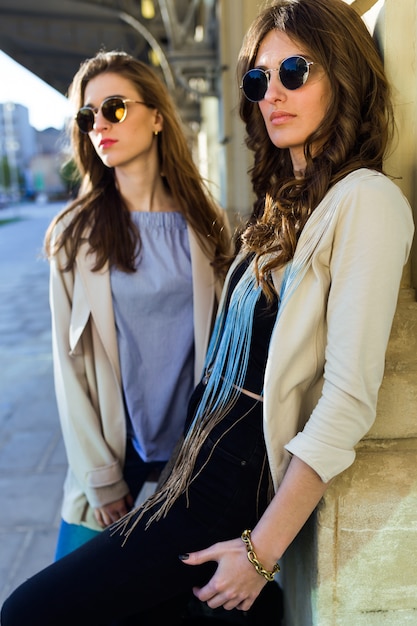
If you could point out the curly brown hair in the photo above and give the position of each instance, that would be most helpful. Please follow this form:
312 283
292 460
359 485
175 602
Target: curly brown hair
99 209
354 133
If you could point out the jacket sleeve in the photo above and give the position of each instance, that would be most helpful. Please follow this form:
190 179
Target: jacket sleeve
371 244
90 458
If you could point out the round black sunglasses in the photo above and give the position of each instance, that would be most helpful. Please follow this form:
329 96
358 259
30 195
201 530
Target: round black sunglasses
293 73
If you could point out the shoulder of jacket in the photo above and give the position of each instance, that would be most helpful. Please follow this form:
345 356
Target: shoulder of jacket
371 180
63 220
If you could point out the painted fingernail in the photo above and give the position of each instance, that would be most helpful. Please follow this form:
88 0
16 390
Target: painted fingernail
183 557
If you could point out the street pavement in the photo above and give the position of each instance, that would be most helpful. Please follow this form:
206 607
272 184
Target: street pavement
32 456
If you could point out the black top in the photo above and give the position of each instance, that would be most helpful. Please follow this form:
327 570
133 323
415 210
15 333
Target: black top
264 319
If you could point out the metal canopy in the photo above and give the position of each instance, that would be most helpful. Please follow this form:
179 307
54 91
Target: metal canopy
52 37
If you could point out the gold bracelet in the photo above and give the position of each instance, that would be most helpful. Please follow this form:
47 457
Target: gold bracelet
254 559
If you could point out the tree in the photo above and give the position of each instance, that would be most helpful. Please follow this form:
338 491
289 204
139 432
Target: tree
70 176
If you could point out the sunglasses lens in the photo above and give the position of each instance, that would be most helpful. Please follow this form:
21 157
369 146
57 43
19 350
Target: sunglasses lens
114 110
293 72
254 85
85 119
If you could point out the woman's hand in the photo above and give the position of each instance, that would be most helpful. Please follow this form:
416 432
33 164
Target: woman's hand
235 584
112 512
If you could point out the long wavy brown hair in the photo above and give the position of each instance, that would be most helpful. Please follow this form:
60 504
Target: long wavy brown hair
354 133
99 211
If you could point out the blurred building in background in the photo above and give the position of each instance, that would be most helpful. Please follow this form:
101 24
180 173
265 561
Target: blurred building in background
31 161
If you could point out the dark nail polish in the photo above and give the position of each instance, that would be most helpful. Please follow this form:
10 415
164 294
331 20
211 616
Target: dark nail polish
183 557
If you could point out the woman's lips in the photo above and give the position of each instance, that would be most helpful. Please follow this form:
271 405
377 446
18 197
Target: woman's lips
107 143
280 117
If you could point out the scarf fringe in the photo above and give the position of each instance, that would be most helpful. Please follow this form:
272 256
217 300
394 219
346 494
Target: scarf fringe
179 480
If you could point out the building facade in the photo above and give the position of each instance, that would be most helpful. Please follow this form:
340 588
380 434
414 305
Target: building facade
30 160
17 147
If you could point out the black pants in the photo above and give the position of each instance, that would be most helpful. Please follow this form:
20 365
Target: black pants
103 582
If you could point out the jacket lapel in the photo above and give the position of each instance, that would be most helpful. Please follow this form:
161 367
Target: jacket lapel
203 301
98 302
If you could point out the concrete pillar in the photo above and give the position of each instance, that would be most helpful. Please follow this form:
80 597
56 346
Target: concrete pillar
235 17
397 34
354 563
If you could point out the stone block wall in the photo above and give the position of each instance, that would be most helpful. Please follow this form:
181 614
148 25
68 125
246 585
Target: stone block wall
355 561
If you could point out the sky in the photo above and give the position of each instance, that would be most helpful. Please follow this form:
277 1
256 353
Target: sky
47 107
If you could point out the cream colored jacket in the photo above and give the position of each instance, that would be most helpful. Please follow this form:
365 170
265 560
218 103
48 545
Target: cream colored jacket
87 375
327 351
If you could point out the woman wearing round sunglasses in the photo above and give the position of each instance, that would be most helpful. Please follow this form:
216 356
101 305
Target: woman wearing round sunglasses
137 264
297 353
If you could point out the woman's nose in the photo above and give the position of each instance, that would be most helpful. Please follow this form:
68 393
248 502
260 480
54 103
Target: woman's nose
100 121
275 90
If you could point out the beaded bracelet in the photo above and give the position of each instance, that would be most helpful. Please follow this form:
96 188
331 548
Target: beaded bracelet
269 575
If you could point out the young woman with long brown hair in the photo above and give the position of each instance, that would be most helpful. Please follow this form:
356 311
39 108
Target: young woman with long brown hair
137 264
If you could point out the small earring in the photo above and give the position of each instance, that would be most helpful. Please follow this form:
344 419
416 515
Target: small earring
156 133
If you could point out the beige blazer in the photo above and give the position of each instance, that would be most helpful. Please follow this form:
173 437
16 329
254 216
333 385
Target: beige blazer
327 352
87 375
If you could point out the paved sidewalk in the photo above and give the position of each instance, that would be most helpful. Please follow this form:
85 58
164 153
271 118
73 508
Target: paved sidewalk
32 457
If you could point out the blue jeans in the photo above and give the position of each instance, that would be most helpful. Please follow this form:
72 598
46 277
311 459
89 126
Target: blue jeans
136 472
